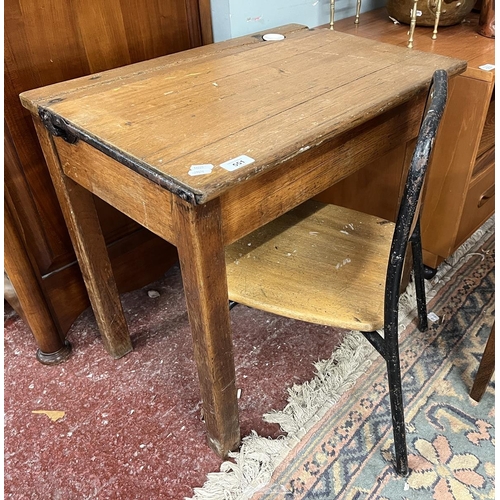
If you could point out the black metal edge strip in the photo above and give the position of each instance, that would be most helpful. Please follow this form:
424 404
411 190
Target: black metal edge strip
58 127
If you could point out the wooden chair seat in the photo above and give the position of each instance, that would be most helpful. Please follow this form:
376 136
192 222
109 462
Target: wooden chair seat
332 257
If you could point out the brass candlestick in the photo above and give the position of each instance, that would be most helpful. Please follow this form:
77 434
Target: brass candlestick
413 17
436 22
358 11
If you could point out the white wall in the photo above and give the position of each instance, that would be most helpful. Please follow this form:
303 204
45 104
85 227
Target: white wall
233 18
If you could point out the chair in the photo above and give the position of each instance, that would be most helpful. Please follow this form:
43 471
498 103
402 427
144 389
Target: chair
335 266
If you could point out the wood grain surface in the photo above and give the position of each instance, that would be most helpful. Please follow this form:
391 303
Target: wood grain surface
268 100
332 258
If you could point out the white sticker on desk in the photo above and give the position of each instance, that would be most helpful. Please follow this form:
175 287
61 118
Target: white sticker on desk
487 67
235 163
201 169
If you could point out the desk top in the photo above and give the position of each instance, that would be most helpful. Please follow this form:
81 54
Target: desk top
246 103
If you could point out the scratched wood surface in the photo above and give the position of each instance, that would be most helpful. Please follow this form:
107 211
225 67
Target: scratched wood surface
460 40
332 258
270 101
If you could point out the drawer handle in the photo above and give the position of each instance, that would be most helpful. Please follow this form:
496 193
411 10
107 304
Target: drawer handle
487 195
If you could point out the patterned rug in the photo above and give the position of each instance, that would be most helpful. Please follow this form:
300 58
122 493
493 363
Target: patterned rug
347 455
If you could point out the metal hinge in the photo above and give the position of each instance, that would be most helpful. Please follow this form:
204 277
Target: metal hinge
57 126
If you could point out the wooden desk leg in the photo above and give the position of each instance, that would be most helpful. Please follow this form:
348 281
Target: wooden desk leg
486 368
201 255
36 311
80 214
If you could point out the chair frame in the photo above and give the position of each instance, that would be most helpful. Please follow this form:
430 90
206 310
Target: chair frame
407 229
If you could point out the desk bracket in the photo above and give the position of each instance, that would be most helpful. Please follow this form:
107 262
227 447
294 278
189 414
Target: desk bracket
57 126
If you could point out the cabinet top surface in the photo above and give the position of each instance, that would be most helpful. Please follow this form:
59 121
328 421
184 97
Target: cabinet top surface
269 101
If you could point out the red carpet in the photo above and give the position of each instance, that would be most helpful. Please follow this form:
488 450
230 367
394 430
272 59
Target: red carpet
131 427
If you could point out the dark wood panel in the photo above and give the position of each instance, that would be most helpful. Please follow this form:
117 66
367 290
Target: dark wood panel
49 42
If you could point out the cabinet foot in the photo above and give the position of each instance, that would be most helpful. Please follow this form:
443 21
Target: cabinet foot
54 358
429 272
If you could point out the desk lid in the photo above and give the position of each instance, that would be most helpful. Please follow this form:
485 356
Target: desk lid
243 106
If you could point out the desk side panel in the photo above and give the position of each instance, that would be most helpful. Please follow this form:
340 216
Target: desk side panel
143 201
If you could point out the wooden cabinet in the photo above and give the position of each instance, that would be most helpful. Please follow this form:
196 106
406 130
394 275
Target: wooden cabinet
460 185
49 42
461 179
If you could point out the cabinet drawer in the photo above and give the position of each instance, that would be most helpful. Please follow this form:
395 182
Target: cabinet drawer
479 204
488 135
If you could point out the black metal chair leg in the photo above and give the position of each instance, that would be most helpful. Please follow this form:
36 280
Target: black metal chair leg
396 398
418 270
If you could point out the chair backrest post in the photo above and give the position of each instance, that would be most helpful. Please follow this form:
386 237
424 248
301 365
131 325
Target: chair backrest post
409 207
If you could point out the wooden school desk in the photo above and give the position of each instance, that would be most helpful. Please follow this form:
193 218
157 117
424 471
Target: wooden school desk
285 118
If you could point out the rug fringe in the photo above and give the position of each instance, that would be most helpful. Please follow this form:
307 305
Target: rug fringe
258 457
307 403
